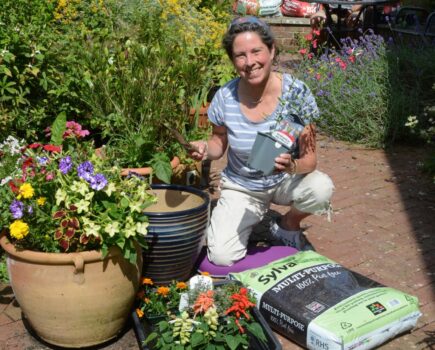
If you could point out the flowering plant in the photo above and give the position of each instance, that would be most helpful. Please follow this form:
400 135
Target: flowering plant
206 317
63 197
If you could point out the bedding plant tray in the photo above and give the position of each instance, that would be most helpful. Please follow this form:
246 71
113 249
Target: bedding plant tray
210 316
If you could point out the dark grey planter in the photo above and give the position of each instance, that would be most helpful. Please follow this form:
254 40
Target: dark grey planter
266 148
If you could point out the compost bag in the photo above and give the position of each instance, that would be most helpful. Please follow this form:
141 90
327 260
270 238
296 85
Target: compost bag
320 304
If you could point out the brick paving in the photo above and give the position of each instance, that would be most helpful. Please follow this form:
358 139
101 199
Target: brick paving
382 227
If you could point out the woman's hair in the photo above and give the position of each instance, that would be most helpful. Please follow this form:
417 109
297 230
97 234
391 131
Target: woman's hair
248 24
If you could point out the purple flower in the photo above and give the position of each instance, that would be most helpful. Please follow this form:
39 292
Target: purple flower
16 209
42 160
65 165
86 170
98 182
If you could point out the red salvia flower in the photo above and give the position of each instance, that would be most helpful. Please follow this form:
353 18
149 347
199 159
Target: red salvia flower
52 148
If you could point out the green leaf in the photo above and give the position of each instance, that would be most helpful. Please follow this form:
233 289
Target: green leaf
197 339
7 71
257 331
57 129
121 242
233 342
162 169
124 202
104 250
151 337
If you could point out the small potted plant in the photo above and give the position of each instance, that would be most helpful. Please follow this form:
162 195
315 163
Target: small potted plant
200 315
73 232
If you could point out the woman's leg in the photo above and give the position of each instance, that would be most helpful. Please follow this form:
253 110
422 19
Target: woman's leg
231 222
308 194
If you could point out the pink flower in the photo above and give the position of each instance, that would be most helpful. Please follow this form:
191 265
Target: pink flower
302 51
74 128
309 37
318 76
352 59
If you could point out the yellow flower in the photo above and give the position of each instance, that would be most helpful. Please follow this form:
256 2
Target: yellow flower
19 229
163 291
26 191
181 285
41 201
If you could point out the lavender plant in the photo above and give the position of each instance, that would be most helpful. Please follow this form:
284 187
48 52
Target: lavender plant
351 86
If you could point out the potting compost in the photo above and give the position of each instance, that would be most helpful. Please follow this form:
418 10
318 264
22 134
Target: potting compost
320 304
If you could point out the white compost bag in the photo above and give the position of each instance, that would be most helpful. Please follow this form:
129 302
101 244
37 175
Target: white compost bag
321 305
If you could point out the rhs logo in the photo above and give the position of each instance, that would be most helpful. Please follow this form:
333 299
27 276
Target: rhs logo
376 308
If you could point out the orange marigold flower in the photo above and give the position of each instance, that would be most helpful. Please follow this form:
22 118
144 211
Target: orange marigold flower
147 300
139 313
147 281
181 285
163 291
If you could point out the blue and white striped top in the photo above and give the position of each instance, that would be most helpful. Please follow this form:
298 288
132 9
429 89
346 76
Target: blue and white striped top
297 106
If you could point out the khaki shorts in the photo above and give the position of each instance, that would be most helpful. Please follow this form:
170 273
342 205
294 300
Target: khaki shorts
238 210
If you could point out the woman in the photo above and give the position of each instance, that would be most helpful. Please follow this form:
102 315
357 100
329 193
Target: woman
250 103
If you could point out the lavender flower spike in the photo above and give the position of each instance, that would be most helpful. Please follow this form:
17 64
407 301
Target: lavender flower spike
65 165
17 209
98 182
86 170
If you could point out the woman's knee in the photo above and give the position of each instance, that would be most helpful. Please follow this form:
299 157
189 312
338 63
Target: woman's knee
322 187
316 193
221 256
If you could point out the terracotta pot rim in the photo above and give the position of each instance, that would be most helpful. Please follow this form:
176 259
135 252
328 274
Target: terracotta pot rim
55 258
148 170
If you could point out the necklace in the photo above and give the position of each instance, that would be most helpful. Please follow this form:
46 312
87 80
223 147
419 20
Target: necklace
255 102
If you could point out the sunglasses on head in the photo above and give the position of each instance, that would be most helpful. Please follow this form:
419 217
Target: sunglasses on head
247 19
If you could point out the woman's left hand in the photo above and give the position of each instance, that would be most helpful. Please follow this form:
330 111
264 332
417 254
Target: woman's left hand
285 162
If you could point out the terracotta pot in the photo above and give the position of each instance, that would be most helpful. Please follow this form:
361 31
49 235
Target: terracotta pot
202 121
73 299
148 170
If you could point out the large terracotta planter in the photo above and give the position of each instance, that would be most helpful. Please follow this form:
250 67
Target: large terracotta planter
75 299
177 223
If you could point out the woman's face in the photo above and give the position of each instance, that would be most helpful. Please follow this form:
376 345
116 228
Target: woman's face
252 58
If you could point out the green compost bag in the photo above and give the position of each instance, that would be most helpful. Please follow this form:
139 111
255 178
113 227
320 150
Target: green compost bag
319 304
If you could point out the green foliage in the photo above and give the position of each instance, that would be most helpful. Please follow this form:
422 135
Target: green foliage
412 93
212 319
4 276
119 68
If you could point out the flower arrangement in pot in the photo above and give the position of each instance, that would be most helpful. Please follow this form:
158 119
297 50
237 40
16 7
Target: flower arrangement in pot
64 207
199 315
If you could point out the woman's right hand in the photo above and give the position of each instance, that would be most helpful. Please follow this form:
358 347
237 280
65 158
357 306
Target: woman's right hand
199 150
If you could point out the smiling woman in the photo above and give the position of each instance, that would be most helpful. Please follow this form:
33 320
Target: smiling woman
258 101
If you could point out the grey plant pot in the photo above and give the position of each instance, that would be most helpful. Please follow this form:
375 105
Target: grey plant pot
266 148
